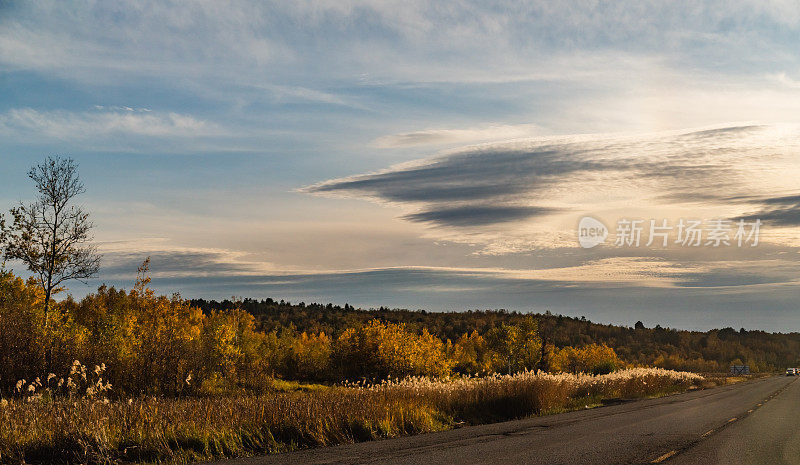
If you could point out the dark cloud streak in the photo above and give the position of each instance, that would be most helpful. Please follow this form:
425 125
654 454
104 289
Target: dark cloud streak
472 215
780 211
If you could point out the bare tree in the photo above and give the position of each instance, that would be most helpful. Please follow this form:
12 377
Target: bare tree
50 235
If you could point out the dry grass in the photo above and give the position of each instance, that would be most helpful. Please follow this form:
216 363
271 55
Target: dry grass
192 429
722 379
501 397
186 430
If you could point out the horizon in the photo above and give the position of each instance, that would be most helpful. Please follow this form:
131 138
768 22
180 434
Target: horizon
438 158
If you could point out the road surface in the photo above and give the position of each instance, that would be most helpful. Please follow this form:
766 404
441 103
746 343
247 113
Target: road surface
755 422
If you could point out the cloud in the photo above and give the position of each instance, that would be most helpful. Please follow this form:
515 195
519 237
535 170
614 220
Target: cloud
615 290
66 125
410 41
284 93
477 215
122 258
787 81
472 174
374 66
223 267
783 211
448 136
494 183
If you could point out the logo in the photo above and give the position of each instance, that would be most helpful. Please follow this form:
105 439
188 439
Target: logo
591 232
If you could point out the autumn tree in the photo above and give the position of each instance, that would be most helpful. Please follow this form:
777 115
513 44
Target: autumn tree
596 359
518 346
379 350
51 235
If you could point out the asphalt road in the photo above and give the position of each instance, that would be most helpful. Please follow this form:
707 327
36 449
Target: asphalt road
756 422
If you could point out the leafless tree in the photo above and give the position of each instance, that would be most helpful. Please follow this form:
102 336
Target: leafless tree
51 236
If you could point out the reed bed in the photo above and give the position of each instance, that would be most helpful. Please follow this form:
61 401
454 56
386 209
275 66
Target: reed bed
500 397
40 430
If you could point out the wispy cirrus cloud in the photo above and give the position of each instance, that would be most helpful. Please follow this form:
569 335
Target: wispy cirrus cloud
102 122
256 35
460 136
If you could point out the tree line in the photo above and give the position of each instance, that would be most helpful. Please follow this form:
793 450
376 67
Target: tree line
708 351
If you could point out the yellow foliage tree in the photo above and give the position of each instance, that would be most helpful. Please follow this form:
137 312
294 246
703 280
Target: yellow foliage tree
515 347
379 350
471 355
592 358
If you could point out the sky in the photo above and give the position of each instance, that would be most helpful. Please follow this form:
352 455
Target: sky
425 155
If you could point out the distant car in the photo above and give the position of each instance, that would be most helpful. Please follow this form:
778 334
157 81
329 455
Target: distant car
791 372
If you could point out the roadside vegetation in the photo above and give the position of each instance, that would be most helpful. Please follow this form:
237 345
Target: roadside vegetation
139 377
182 430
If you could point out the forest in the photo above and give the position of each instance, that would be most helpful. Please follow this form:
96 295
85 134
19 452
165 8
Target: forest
709 351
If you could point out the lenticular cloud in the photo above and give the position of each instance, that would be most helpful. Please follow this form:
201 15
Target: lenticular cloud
734 168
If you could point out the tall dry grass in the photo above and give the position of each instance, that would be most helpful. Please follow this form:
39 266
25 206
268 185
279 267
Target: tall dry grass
38 430
499 397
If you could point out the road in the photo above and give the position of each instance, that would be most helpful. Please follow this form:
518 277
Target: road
755 422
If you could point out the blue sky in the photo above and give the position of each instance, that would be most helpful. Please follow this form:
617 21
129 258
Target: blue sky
421 155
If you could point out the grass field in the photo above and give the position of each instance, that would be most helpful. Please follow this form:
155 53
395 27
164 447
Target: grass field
297 416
